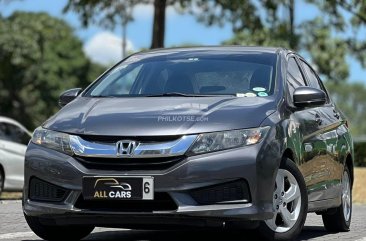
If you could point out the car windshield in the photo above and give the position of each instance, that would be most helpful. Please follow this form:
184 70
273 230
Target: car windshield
189 74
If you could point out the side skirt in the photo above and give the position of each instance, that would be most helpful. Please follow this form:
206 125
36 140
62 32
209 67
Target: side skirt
323 205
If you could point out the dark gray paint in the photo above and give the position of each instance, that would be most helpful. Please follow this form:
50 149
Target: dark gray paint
139 116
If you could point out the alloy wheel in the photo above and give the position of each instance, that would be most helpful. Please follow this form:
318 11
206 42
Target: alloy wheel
346 196
286 202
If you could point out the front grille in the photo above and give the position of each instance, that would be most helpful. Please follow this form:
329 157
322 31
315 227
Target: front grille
114 139
225 192
124 164
161 202
40 190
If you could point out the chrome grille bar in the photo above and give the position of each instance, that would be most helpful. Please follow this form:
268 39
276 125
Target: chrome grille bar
177 147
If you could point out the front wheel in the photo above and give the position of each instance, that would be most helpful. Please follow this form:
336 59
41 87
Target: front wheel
57 233
339 219
290 203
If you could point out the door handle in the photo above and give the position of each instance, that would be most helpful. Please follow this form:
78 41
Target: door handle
336 114
318 119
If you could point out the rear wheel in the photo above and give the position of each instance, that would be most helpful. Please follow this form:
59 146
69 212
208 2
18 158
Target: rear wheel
289 204
339 219
57 233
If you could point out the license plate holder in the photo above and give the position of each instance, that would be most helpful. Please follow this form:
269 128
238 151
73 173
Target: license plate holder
118 188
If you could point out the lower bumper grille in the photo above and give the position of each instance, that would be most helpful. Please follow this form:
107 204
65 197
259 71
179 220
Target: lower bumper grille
161 202
121 164
220 193
40 190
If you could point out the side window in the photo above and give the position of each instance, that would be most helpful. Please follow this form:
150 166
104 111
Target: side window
13 133
2 131
312 77
295 78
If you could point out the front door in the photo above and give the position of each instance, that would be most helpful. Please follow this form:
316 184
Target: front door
305 133
329 161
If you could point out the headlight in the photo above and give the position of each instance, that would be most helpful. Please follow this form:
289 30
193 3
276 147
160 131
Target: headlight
51 139
218 141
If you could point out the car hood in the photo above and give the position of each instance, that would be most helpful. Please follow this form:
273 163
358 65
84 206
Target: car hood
152 116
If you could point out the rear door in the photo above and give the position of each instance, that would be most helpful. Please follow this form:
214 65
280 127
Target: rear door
13 144
329 161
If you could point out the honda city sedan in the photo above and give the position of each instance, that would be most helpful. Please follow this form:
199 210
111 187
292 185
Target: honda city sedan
214 137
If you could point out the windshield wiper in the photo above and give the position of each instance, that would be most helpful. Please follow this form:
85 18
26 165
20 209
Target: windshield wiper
179 94
103 96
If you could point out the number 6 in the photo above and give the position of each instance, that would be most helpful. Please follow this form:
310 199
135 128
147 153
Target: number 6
146 187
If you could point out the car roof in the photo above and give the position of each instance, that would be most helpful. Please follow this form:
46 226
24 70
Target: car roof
235 48
11 121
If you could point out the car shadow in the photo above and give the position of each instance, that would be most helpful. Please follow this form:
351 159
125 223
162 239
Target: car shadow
309 232
176 235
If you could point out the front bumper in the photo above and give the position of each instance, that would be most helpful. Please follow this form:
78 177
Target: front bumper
249 163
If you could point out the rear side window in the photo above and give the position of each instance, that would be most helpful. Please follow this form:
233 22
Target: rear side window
13 133
295 78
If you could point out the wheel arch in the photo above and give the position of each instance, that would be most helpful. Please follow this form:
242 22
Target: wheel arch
288 153
350 165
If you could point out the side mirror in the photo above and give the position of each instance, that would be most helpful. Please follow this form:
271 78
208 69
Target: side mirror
68 96
308 96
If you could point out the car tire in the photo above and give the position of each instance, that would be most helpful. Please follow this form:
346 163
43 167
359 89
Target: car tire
339 219
57 233
290 202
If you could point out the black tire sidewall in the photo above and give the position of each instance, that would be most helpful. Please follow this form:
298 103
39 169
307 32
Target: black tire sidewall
291 234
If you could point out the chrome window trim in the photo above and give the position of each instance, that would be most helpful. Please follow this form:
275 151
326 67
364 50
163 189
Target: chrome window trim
178 147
